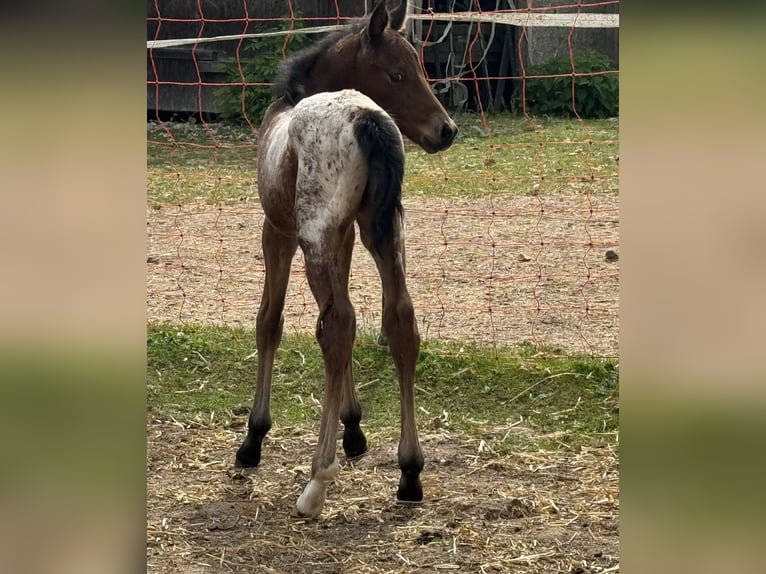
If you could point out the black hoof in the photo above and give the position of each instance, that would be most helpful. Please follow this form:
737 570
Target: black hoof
249 454
354 442
410 489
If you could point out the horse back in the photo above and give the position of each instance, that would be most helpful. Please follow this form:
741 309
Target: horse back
343 143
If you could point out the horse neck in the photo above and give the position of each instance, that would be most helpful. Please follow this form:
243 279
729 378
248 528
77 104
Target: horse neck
333 71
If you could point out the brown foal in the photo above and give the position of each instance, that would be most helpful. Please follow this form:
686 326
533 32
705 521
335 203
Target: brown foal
331 154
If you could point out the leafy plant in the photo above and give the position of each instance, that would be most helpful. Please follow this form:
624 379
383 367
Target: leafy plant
595 96
259 60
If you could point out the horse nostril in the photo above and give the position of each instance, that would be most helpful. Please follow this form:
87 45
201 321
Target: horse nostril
448 131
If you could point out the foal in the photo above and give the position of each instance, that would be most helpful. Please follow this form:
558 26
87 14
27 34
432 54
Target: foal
330 154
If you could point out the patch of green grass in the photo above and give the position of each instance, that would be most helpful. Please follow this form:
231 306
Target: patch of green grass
187 163
205 184
507 156
511 154
205 372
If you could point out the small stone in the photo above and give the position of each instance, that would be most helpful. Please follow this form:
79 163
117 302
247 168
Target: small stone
240 411
152 259
523 258
611 255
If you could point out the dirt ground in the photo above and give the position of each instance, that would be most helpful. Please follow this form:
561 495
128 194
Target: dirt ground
499 270
525 511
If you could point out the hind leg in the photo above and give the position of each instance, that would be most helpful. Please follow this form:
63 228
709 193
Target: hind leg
382 338
278 252
336 328
354 441
404 343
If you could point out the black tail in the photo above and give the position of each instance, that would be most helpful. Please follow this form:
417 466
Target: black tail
381 143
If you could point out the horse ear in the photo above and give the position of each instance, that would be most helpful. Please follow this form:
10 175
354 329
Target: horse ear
398 16
378 23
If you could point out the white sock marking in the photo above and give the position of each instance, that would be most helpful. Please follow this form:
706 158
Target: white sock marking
311 501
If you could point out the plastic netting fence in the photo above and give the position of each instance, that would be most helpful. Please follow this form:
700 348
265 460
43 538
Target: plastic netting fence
512 233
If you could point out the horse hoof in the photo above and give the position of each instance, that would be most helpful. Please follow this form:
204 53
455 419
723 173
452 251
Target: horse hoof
410 490
311 501
354 443
245 461
248 455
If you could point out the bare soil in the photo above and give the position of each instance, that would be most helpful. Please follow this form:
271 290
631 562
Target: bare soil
501 270
525 511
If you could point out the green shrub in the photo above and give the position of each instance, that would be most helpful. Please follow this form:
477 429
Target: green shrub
259 59
596 96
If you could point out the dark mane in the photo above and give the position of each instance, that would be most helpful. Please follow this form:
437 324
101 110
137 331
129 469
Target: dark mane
292 74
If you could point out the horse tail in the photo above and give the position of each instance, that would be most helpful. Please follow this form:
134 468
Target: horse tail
381 143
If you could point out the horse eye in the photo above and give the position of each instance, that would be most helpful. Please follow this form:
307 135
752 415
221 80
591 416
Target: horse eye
396 77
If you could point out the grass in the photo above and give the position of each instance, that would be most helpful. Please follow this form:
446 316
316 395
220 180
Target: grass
202 372
216 164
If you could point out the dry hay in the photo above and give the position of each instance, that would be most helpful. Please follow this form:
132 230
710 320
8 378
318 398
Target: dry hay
495 270
528 511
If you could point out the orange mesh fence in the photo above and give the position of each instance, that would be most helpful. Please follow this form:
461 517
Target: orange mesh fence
512 234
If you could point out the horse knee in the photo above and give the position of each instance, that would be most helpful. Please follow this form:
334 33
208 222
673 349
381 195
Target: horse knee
405 312
399 323
336 326
400 312
268 325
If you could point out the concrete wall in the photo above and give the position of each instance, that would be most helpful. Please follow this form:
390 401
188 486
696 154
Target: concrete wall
544 44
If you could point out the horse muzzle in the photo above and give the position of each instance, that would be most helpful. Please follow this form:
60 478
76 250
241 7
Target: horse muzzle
445 135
